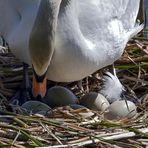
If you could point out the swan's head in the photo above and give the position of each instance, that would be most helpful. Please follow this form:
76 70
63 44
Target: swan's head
41 43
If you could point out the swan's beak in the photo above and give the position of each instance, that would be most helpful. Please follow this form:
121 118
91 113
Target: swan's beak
39 86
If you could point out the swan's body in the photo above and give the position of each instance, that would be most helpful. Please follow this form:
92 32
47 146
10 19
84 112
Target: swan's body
90 34
90 37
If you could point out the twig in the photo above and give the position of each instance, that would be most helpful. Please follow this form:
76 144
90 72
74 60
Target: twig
143 58
114 137
50 133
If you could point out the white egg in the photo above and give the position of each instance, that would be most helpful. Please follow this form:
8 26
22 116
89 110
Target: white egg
86 114
95 101
121 109
36 106
58 96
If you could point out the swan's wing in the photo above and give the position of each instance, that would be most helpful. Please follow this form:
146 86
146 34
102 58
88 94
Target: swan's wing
129 18
101 12
130 14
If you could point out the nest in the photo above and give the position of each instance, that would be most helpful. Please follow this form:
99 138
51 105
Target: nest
66 127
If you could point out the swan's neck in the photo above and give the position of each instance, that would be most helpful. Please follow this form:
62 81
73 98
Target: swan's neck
41 43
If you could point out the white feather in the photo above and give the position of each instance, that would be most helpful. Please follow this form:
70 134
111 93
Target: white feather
112 87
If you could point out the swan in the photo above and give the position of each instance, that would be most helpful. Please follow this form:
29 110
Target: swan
67 40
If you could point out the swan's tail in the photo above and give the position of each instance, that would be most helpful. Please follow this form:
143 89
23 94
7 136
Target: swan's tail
135 30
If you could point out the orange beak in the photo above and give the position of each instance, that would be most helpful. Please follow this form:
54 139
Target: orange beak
39 88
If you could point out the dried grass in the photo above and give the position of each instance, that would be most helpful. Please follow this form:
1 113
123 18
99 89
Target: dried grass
65 127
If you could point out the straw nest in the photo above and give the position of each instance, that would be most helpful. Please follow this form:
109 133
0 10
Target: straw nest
66 127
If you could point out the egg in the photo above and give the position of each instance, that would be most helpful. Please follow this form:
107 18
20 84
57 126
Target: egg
95 101
77 106
121 109
58 96
86 113
36 106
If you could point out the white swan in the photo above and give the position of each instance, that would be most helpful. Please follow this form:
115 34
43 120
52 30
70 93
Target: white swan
70 39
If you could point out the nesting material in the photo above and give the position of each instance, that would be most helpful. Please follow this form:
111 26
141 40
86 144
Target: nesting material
66 127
